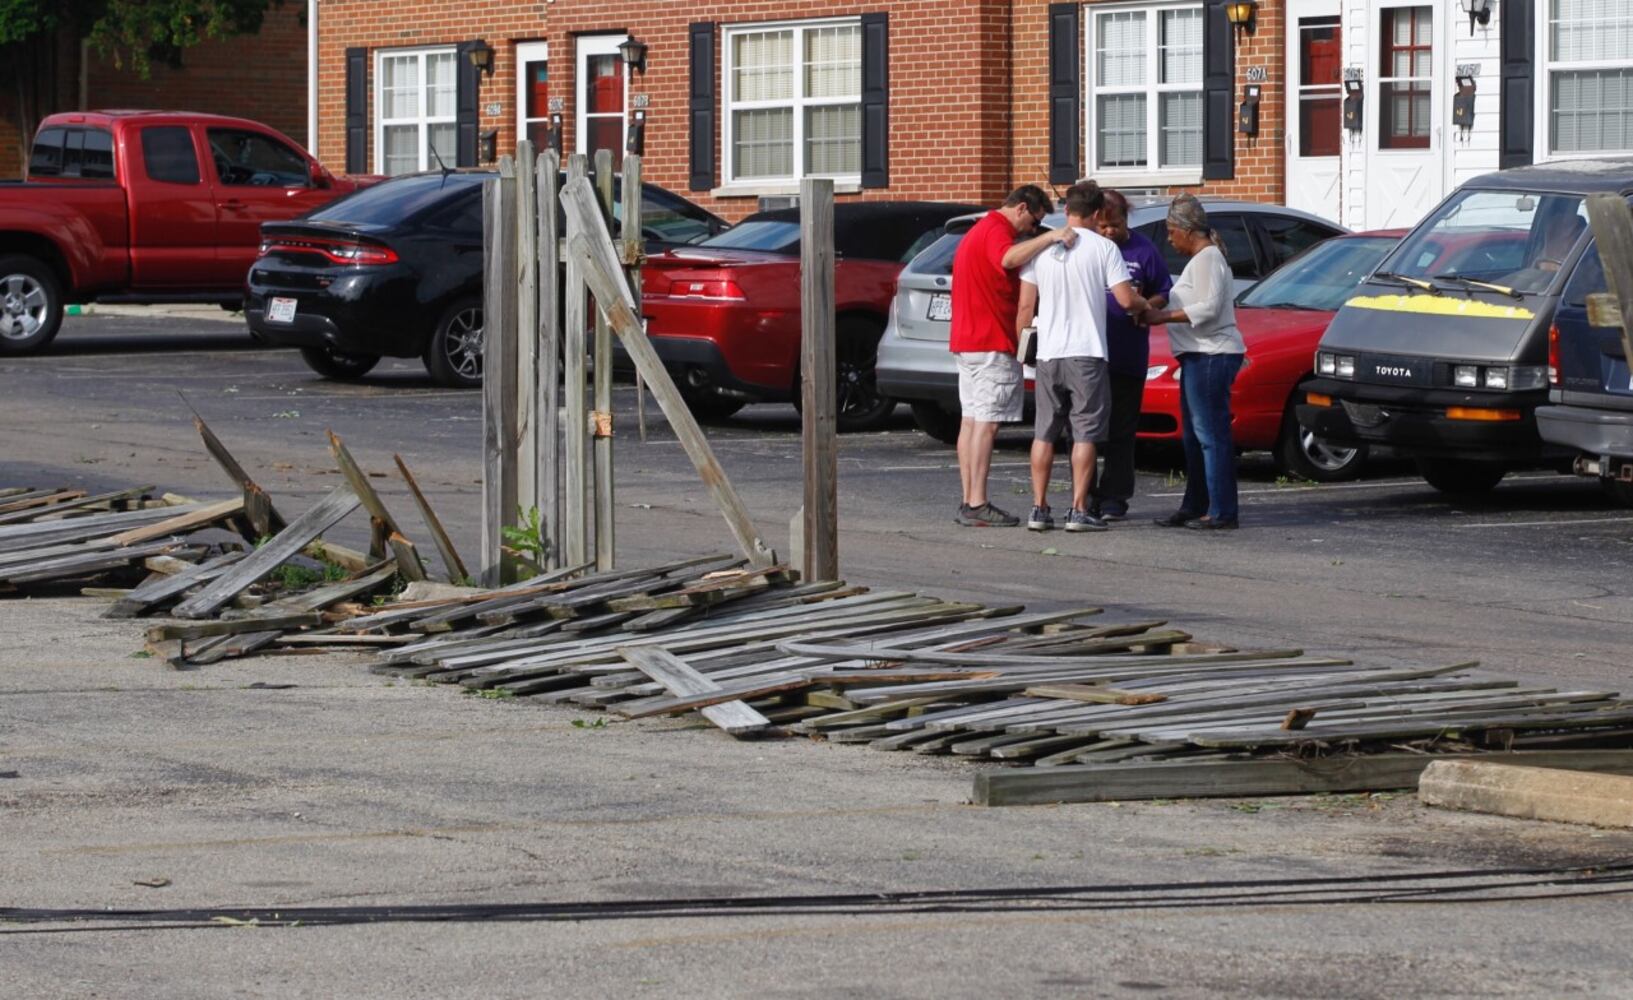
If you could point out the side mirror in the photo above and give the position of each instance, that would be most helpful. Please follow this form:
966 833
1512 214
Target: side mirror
320 176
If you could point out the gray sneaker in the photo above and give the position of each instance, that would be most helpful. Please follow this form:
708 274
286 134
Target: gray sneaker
1082 520
986 516
1041 519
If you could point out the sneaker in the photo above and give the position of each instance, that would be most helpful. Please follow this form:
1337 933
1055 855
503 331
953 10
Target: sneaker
1111 510
1041 519
1082 520
986 516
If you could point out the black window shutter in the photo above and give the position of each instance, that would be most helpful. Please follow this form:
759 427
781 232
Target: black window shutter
875 100
1065 88
467 97
700 107
357 111
1218 96
1516 100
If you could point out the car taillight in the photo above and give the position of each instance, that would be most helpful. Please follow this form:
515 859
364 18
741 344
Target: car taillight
707 288
1553 354
338 251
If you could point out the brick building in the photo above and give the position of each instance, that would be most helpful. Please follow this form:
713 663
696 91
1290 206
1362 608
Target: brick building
963 99
261 77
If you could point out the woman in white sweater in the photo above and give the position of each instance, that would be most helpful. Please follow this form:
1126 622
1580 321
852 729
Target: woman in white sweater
1202 333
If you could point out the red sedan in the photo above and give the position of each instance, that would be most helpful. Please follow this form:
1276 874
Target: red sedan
724 315
1282 319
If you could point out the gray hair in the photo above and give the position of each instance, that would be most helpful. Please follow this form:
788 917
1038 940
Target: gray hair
1187 213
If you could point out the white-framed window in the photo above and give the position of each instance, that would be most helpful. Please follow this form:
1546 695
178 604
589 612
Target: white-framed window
603 95
793 102
533 91
415 102
1587 78
1144 73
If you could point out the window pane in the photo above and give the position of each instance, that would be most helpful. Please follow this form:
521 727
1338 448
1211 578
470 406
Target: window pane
46 159
833 61
243 157
537 89
604 85
401 154
441 84
98 155
833 140
1290 235
1121 119
1238 245
1583 30
1181 43
763 143
445 140
1319 54
167 152
1120 57
1181 124
1320 126
763 66
1592 111
399 81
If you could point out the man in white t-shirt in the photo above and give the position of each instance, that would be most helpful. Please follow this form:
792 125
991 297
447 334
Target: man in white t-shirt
1065 288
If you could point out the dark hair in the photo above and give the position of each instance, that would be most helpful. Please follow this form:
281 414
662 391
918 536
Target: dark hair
1030 195
1084 198
1117 200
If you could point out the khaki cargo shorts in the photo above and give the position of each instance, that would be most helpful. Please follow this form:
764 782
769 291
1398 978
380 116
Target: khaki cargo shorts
989 386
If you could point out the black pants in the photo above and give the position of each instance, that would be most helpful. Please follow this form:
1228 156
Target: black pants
1115 480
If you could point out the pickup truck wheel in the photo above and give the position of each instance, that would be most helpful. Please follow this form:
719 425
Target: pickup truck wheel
30 304
937 421
1461 476
454 356
333 364
1300 453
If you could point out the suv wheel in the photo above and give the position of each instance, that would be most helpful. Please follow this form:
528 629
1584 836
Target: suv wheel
30 304
332 364
937 421
1301 453
861 406
454 355
1461 476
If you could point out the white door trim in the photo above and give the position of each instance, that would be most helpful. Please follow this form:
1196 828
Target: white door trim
596 45
528 52
1296 11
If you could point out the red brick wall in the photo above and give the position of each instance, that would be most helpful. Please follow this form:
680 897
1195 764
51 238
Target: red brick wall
1260 163
949 72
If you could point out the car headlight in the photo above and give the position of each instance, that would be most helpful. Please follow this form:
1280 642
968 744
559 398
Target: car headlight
1325 363
1345 366
1155 372
1521 377
1466 376
1496 378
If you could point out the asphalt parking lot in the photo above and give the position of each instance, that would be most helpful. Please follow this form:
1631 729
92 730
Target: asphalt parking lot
307 781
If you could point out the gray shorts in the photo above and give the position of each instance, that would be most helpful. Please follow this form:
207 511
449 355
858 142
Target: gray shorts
1072 392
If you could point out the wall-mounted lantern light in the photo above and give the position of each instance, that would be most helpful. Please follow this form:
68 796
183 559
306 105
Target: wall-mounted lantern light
481 56
1241 15
633 52
1477 10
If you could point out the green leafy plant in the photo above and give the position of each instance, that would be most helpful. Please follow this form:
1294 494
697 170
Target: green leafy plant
528 542
589 723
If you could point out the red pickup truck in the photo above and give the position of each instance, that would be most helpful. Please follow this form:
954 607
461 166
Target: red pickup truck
145 206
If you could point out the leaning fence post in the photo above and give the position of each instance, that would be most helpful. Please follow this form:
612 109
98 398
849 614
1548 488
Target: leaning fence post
601 420
526 270
818 416
549 354
575 510
498 370
1612 223
634 256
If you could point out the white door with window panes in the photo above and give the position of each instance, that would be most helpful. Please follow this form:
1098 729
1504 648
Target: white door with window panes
533 91
1145 104
793 99
1585 84
1315 126
415 106
603 95
1407 74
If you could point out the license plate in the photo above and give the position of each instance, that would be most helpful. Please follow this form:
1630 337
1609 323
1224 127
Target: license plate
941 307
281 311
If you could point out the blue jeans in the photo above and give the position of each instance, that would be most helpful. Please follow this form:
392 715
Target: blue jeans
1210 456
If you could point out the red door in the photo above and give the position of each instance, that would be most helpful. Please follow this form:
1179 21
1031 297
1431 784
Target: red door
172 211
258 178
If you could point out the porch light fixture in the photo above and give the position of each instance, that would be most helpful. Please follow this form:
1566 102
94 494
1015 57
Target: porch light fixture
1477 10
633 52
481 56
1241 14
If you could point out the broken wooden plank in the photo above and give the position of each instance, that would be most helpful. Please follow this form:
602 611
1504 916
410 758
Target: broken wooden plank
300 533
1093 693
182 523
408 561
33 535
40 504
681 679
71 504
82 564
231 626
445 545
752 687
155 591
256 502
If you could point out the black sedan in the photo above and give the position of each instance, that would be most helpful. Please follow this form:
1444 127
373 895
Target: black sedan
395 270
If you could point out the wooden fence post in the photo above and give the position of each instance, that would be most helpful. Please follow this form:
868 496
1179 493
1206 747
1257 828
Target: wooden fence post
601 419
549 353
526 271
818 410
575 510
1612 222
634 257
498 370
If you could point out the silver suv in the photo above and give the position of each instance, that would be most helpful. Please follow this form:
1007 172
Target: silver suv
914 364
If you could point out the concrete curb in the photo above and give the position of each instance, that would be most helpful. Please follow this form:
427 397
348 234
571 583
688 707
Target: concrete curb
1529 792
203 311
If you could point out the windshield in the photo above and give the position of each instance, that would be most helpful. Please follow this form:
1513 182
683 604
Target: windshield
1512 238
393 201
1322 277
764 234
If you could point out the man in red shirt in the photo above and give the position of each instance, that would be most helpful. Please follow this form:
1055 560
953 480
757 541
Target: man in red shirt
986 294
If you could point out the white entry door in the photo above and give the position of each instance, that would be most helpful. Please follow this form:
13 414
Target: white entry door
1406 86
1315 126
